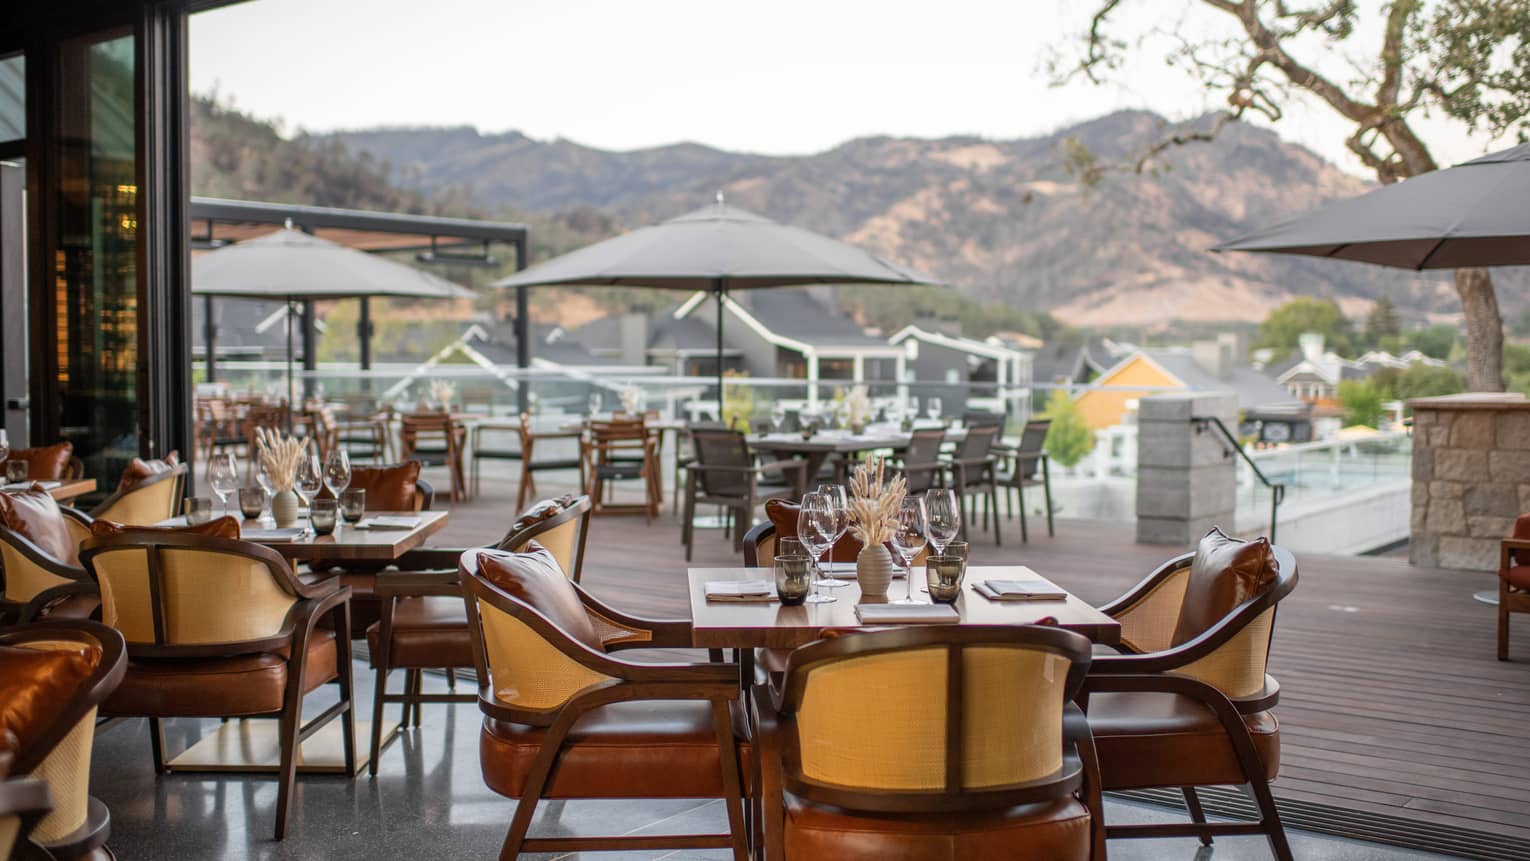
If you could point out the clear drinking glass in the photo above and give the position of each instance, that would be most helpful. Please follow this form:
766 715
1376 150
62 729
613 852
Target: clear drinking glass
252 502
815 529
932 407
794 579
944 515
322 514
353 504
908 538
198 510
17 471
839 500
224 477
337 471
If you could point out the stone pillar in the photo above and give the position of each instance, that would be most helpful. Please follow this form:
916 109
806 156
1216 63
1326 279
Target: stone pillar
1471 477
1186 478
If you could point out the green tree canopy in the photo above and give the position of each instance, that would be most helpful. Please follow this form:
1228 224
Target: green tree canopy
1286 324
1069 439
1381 322
1362 403
1423 381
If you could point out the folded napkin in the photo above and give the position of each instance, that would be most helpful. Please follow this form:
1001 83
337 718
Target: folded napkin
899 614
1020 590
760 591
288 533
387 521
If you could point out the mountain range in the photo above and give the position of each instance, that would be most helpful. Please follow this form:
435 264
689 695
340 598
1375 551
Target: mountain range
1005 220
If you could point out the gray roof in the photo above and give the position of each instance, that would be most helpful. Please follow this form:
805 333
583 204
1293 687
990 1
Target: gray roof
1253 388
801 316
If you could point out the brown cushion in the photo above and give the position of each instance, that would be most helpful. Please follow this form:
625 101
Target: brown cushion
36 684
138 471
34 515
389 488
544 510
429 631
783 515
45 463
534 577
646 749
1225 573
1518 571
217 687
1147 739
220 527
1056 831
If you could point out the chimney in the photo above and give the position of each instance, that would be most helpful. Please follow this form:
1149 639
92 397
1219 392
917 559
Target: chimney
1311 344
1214 357
633 338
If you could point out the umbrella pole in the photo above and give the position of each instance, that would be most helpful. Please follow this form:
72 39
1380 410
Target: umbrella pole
289 366
721 290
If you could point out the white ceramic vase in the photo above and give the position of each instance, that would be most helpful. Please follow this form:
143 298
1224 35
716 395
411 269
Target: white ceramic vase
874 571
284 508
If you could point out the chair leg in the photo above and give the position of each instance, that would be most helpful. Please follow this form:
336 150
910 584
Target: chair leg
419 683
1503 628
1046 489
157 744
379 692
1197 813
290 722
451 678
992 503
346 679
1025 535
733 790
1269 817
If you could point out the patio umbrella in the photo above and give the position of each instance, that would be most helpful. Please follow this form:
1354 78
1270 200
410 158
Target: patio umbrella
718 249
291 265
1473 214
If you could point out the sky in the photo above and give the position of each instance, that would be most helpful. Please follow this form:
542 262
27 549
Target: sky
781 77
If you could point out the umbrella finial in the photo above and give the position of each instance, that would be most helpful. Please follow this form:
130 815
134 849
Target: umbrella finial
287 224
719 198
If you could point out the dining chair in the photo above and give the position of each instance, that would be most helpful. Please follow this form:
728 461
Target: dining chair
258 415
1031 467
436 439
622 449
218 427
938 743
424 621
1513 579
920 462
54 676
1188 702
531 460
972 468
40 571
217 627
566 717
725 472
23 803
684 454
364 438
145 501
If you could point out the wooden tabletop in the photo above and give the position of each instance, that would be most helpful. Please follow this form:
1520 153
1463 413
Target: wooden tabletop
738 625
63 491
349 543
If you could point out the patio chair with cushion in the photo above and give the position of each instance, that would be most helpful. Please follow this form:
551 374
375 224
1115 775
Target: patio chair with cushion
53 677
149 492
725 472
40 572
908 743
1188 703
565 717
218 627
50 462
1513 579
1030 467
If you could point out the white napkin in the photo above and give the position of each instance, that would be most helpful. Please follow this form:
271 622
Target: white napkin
389 521
873 614
740 590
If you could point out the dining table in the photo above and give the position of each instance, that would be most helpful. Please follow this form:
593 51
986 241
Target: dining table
817 448
64 491
360 542
747 625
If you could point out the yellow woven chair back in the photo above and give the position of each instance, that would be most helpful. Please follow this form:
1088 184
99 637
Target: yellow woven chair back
204 596
146 505
525 670
24 579
67 769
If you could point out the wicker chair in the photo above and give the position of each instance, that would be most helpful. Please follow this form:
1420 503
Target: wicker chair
49 463
566 718
40 573
222 628
920 460
1188 703
23 803
972 468
908 743
725 472
58 750
1031 467
146 503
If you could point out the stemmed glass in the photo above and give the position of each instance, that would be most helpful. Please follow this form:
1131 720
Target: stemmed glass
308 481
263 478
596 402
908 538
815 529
777 416
224 477
944 516
932 407
337 471
839 502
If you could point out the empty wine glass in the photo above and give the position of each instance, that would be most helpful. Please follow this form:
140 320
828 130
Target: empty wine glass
908 538
224 477
839 501
777 416
596 401
944 516
815 529
337 471
309 479
932 407
263 477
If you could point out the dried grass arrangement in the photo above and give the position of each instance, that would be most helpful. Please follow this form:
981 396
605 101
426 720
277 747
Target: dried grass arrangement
874 501
443 392
281 455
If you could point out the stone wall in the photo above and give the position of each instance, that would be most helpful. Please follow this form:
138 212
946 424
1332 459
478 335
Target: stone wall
1186 478
1471 477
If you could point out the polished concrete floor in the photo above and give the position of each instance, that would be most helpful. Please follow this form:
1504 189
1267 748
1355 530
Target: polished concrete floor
429 801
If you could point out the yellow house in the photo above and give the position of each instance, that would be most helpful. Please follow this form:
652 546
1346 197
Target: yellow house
1106 407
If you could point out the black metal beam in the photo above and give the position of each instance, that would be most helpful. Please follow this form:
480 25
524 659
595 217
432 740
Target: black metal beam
522 330
324 217
364 334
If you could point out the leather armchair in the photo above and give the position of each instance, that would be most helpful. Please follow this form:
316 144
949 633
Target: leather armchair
939 743
565 717
1188 705
155 498
40 573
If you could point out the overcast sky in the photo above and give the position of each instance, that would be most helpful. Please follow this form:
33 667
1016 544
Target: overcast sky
783 77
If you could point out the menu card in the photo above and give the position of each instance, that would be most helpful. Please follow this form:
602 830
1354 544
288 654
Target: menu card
761 591
1020 590
390 521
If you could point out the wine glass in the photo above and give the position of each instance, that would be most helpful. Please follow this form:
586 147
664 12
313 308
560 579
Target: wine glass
263 477
908 538
913 407
596 401
944 516
337 471
224 477
839 501
777 416
309 479
5 446
815 529
932 407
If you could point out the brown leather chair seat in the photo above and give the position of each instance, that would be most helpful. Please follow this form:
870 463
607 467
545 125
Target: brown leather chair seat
1162 739
642 749
429 631
218 687
1058 829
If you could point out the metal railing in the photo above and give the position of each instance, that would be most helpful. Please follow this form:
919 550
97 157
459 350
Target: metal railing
1232 446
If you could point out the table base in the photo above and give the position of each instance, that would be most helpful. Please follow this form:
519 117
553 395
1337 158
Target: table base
251 746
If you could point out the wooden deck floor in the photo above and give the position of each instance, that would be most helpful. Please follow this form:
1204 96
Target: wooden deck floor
1392 702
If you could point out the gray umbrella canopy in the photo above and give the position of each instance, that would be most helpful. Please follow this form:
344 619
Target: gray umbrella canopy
717 248
1473 214
290 264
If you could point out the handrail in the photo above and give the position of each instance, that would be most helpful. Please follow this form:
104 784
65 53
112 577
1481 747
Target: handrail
1277 488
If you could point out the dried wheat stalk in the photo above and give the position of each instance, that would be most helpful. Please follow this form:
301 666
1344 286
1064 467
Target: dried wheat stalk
874 501
281 455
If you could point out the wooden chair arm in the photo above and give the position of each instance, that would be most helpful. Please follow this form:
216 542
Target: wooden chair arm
1509 547
432 558
1140 591
1229 711
664 633
413 584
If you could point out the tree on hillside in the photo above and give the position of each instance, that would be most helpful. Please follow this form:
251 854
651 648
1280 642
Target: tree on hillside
1281 330
1424 381
1466 60
1362 403
1069 439
1381 322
